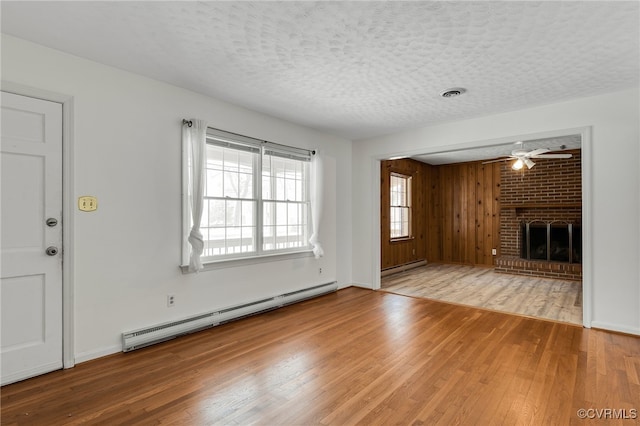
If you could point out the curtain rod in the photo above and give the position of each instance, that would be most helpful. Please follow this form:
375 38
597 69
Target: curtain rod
312 151
189 123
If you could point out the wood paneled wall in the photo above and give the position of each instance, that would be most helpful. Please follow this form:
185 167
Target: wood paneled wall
456 217
396 253
434 215
469 213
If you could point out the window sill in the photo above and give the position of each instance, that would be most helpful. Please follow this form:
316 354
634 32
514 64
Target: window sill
244 261
400 240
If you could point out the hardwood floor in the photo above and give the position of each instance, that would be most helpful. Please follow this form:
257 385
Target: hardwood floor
554 299
352 357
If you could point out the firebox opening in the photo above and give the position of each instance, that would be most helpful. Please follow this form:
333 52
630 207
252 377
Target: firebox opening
553 242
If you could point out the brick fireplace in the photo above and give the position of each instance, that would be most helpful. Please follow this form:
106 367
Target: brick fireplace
549 193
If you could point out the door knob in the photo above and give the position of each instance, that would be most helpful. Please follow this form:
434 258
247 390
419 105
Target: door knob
51 222
52 251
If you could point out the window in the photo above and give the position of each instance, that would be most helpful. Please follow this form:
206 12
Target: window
400 203
285 202
256 198
230 203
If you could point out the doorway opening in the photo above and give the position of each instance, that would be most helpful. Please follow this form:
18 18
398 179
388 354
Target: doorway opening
455 237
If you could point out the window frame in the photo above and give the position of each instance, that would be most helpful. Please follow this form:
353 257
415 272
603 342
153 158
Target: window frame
259 254
408 205
273 184
254 197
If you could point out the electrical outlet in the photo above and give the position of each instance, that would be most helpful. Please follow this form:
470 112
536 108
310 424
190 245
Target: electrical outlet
494 252
320 271
171 300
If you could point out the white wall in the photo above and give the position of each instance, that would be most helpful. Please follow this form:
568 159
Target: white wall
126 151
615 189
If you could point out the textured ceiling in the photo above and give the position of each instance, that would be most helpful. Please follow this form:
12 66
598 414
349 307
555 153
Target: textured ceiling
355 69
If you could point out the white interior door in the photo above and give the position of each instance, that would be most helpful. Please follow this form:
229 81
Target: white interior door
31 281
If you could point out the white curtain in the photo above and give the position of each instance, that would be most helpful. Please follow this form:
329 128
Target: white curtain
195 138
316 192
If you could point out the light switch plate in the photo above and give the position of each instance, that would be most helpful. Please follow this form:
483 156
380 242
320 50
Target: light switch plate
87 203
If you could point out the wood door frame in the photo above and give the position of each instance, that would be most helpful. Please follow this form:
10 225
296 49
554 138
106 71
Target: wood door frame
587 203
68 356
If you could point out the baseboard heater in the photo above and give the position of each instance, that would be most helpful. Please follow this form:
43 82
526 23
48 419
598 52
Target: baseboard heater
402 268
143 337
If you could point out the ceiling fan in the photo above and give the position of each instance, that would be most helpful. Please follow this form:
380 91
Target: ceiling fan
524 157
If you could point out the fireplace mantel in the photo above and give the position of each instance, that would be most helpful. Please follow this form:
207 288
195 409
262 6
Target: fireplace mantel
518 206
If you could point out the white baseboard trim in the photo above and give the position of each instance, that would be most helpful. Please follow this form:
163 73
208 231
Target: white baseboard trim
615 327
99 353
360 285
30 372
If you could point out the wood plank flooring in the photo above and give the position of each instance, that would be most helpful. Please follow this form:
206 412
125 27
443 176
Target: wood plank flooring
352 357
558 300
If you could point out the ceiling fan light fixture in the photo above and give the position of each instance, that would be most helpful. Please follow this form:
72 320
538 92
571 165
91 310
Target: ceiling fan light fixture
529 163
518 164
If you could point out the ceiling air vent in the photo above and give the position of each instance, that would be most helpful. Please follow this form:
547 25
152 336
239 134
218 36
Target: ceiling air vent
452 93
